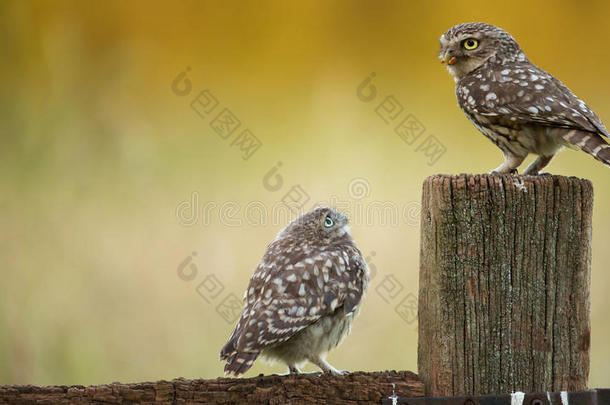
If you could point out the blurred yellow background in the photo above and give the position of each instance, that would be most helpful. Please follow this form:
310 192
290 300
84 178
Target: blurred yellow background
101 159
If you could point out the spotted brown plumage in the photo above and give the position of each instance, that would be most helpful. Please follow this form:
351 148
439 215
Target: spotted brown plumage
303 296
518 106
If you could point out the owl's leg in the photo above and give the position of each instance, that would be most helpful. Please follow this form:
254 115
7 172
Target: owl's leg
294 369
540 163
325 366
510 165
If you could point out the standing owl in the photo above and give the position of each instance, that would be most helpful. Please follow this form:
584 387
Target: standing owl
517 105
303 296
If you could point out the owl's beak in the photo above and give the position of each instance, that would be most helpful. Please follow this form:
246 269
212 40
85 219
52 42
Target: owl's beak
448 58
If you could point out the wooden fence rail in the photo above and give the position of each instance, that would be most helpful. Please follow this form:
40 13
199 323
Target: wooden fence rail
353 389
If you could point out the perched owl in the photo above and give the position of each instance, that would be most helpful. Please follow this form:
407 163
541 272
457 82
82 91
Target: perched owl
303 296
517 105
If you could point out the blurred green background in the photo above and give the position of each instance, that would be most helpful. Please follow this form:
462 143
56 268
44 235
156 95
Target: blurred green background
98 155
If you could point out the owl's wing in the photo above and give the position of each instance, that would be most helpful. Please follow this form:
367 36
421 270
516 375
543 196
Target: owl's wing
525 94
580 111
283 299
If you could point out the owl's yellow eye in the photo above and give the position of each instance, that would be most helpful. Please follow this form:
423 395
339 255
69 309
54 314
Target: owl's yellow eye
470 44
328 222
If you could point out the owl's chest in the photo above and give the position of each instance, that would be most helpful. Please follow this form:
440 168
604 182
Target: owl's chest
329 331
508 135
495 130
514 137
484 125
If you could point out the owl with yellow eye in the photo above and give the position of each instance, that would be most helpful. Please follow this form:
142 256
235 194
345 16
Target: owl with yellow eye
518 106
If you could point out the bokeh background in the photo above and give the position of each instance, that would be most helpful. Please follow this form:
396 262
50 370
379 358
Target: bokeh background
101 159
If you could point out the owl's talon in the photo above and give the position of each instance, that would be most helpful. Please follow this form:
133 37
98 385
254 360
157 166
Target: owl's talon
302 373
514 172
294 370
336 372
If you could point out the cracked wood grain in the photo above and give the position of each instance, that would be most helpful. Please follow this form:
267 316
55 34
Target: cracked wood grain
504 284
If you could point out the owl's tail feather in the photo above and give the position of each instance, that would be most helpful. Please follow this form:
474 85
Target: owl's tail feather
228 350
240 362
594 144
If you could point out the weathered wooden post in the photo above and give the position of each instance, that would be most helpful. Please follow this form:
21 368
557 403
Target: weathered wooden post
504 284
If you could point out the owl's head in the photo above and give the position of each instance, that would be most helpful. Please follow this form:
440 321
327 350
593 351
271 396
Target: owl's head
466 47
324 223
